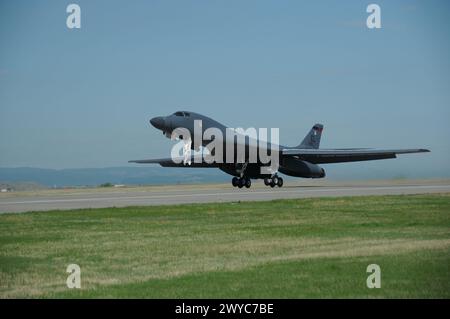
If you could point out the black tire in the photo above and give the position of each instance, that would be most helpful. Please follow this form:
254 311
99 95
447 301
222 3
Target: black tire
248 182
272 184
235 181
275 180
241 182
280 182
267 181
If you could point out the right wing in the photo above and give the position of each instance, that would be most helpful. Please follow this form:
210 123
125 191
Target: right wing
323 156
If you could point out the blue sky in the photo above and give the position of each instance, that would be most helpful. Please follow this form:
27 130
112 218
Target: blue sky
82 98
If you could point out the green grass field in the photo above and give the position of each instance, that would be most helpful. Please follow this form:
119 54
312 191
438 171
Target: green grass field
303 248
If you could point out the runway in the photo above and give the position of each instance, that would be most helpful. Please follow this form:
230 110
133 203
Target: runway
183 194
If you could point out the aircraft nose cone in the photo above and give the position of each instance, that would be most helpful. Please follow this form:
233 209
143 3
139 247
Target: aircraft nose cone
158 122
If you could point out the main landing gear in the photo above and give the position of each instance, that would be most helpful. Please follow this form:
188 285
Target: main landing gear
241 182
273 181
245 181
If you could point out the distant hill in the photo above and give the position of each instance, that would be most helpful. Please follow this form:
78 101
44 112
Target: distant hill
115 175
27 177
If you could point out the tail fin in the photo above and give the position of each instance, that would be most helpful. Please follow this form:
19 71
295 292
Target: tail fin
312 139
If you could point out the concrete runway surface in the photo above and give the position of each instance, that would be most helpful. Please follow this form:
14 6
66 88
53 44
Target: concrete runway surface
42 200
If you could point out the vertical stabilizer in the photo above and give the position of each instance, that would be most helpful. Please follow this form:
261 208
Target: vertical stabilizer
312 139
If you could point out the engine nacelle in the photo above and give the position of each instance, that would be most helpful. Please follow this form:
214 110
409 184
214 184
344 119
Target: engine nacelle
295 167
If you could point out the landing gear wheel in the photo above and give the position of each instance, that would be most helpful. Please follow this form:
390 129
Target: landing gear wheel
235 181
280 182
241 182
275 180
272 183
267 181
248 182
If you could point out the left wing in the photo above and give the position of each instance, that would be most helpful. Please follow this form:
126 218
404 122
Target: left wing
196 161
323 156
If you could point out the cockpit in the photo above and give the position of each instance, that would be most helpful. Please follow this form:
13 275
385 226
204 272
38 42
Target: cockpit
181 113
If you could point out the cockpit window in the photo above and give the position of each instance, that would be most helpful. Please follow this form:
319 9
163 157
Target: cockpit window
185 114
